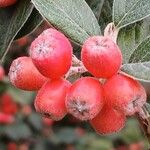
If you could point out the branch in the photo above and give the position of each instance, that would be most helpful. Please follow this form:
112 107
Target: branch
76 68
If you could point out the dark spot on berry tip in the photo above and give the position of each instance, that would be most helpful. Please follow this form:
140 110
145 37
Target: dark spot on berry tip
47 115
79 107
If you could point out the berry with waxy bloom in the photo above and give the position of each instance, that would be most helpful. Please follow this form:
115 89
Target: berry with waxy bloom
51 53
124 93
85 98
101 56
50 100
24 75
108 121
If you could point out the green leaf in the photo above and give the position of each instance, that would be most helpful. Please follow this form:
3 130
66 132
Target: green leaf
20 96
106 14
96 6
40 145
140 71
11 21
70 135
73 17
131 36
31 24
35 120
142 52
126 12
18 131
132 133
3 146
92 141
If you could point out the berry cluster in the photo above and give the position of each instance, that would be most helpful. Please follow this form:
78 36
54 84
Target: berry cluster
105 105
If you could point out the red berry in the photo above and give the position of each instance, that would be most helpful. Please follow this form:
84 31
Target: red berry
124 93
12 146
101 56
2 73
85 99
24 75
108 121
50 100
51 53
6 119
8 106
5 3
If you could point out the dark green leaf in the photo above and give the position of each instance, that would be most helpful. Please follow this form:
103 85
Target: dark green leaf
73 17
140 71
69 134
106 14
142 52
126 12
131 36
31 24
20 96
132 133
40 145
11 21
35 120
18 131
96 6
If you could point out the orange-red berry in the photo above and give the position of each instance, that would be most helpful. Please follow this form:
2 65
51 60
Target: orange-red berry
101 56
8 105
124 93
50 100
2 73
24 75
51 53
12 146
85 98
108 121
5 3
6 119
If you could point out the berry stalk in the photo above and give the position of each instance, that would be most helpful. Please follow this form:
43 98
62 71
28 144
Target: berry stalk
76 68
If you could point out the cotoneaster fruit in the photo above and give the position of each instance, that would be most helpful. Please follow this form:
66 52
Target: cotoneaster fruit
5 3
8 105
50 100
108 121
12 146
124 93
2 73
24 75
101 56
51 53
85 98
6 119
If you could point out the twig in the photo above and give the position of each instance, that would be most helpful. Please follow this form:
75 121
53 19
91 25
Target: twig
77 67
